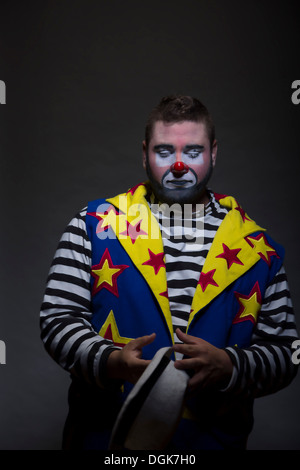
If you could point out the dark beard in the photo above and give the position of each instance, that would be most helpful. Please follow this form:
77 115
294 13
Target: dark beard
180 196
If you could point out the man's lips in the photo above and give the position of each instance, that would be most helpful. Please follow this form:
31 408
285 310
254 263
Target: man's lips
186 181
177 182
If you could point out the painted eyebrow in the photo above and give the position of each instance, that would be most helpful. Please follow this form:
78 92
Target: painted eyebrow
171 147
194 147
163 147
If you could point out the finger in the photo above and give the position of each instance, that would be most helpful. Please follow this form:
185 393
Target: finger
143 341
188 339
187 364
186 349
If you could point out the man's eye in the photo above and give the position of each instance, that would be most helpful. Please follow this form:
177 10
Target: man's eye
193 153
164 153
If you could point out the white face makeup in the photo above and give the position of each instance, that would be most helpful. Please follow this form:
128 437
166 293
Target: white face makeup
166 155
185 144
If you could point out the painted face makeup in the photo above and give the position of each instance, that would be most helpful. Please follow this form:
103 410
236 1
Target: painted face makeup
179 161
186 190
166 155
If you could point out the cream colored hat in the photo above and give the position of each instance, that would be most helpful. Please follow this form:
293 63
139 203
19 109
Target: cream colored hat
153 408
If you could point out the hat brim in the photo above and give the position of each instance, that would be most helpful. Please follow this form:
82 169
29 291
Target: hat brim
153 408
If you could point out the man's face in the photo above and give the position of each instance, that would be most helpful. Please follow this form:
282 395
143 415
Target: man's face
179 161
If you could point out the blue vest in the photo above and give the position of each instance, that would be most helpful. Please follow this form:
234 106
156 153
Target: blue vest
128 275
129 287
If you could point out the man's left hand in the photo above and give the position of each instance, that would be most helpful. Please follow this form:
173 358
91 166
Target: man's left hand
212 366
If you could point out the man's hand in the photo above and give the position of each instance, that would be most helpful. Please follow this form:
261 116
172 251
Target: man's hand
212 366
126 364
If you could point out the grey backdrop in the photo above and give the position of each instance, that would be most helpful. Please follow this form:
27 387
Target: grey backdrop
81 77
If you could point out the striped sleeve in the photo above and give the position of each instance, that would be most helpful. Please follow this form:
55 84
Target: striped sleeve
65 317
266 366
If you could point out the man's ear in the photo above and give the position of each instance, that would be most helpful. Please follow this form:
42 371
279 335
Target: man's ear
214 150
144 154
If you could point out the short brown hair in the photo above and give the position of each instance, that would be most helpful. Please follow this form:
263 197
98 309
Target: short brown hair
179 108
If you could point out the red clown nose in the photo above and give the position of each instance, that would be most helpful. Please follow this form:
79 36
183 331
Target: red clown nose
179 168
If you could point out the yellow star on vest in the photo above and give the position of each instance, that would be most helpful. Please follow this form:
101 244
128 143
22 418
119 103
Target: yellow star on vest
262 247
105 274
249 305
106 219
110 331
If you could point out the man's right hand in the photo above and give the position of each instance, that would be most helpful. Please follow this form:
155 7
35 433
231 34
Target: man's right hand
126 364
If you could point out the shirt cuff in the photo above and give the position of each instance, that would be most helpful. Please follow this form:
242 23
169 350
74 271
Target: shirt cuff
106 382
233 377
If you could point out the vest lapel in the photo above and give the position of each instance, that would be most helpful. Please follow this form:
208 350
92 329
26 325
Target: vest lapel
138 232
230 256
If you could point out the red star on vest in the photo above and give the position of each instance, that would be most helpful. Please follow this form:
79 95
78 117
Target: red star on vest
106 273
230 255
249 305
133 190
242 212
133 231
156 261
219 196
164 294
264 250
206 279
104 218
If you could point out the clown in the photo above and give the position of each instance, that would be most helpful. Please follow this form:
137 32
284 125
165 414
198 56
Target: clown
116 294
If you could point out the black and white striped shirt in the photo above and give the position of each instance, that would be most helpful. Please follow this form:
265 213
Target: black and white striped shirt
70 339
187 237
